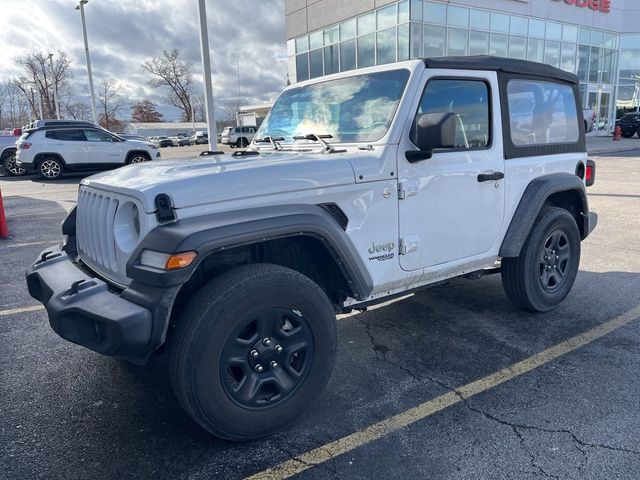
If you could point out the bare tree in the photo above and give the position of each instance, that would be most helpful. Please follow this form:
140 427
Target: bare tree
77 110
39 80
109 103
14 106
175 73
199 109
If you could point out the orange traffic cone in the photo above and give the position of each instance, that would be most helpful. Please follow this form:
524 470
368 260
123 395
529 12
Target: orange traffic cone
4 229
617 133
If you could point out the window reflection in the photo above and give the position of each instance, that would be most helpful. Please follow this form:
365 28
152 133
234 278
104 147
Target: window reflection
541 113
354 109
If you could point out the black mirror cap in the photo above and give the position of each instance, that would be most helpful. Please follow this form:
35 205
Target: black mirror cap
414 156
436 130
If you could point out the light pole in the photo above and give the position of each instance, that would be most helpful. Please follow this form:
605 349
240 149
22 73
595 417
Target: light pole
55 87
637 91
206 66
80 7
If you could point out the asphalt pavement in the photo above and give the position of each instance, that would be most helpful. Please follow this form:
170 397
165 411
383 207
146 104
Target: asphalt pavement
66 412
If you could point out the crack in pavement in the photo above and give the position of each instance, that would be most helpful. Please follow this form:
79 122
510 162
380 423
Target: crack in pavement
288 448
381 352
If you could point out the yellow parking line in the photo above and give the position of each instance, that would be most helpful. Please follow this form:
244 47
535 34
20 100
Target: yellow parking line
13 311
16 245
378 430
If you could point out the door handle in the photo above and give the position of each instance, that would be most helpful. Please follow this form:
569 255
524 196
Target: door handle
490 177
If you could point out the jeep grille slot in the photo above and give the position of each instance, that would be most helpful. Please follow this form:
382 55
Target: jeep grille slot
95 228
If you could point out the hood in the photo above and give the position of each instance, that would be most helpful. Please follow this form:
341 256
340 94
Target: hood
217 178
137 143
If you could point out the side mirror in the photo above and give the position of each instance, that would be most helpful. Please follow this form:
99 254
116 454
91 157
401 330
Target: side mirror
432 130
436 130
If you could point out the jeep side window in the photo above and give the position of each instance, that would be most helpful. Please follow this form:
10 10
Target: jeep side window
66 135
468 100
542 113
98 136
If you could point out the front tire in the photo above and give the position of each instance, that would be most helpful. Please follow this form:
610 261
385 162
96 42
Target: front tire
50 168
252 351
543 275
137 158
10 167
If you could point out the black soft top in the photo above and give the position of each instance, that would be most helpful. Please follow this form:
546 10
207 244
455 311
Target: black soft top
500 64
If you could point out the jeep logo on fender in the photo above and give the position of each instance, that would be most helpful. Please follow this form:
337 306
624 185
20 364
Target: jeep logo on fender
385 251
603 6
384 247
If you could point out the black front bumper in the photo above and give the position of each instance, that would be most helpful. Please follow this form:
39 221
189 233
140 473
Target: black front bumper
85 310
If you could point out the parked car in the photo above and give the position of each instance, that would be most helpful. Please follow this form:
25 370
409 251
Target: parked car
237 136
381 181
52 150
589 119
164 141
180 141
8 156
199 138
629 124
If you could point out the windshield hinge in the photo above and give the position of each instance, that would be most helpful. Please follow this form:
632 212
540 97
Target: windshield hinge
409 244
406 189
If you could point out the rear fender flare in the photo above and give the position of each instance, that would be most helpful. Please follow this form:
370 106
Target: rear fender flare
532 202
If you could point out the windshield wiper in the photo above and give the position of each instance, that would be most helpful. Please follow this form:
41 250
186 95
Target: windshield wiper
320 139
272 140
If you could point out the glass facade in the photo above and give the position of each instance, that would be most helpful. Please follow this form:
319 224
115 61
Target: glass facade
418 28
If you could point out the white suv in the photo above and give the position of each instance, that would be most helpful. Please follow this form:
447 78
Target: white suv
362 186
237 136
52 150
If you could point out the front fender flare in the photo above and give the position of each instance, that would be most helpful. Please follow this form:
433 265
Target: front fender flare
217 231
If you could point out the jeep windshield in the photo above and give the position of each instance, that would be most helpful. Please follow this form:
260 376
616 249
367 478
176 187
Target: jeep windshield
356 109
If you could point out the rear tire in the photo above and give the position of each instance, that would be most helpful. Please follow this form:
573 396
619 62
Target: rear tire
10 167
51 168
544 273
229 378
627 135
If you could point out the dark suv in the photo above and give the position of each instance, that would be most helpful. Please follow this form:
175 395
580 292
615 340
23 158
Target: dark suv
630 124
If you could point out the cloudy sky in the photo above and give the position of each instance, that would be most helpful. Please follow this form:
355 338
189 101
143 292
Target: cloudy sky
125 33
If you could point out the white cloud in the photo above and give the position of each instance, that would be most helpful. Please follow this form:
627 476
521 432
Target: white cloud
123 34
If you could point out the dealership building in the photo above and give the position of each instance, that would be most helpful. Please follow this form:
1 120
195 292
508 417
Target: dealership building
598 40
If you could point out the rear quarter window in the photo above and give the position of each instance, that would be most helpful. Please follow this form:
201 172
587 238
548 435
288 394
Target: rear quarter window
66 135
542 113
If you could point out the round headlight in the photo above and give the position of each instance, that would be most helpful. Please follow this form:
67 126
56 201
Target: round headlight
127 227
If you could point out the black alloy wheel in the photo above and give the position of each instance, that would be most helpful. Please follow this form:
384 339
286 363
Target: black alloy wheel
267 358
555 260
252 350
541 277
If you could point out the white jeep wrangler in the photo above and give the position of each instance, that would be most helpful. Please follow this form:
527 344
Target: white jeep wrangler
358 187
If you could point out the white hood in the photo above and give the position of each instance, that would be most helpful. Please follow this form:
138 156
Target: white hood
217 178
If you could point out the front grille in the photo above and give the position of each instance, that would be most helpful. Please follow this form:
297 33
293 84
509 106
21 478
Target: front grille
95 228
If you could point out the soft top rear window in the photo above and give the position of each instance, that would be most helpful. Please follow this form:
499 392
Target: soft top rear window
542 113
